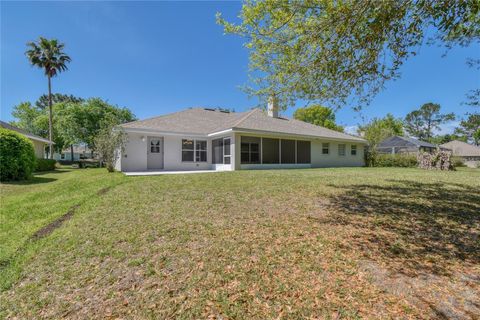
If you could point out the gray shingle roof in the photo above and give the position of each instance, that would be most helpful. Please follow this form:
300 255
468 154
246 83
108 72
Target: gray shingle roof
462 149
24 132
397 141
204 121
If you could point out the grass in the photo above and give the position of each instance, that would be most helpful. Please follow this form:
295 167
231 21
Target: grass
319 243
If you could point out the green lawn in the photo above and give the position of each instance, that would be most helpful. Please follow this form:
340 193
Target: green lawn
318 243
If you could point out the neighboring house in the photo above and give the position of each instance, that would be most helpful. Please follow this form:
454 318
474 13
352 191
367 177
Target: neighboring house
398 144
470 154
80 152
208 139
39 143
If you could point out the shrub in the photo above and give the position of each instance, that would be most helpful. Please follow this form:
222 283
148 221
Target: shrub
458 162
395 160
45 165
17 156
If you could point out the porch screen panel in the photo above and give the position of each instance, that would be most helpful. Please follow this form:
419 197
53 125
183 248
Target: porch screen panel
217 151
303 151
288 151
250 150
270 150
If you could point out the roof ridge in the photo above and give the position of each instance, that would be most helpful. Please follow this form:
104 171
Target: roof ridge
245 117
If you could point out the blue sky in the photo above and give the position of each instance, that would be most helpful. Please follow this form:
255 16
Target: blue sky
161 57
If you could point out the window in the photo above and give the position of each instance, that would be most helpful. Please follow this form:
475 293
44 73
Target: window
194 150
250 150
303 151
62 156
155 146
226 151
187 150
353 150
288 151
200 151
341 149
270 150
325 148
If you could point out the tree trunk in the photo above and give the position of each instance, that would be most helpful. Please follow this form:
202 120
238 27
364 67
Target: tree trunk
50 116
71 152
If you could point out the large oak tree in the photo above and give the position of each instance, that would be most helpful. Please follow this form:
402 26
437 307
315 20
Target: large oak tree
343 52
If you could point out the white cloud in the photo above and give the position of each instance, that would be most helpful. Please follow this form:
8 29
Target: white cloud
351 129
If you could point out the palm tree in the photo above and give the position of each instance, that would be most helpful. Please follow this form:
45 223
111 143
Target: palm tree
49 56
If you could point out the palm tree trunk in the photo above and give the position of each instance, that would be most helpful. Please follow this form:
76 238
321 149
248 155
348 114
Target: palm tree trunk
50 116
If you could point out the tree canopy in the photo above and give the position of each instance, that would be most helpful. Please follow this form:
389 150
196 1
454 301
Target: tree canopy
421 123
381 128
342 52
318 115
74 122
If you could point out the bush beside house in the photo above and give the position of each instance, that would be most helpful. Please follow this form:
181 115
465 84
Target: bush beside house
17 156
395 160
45 165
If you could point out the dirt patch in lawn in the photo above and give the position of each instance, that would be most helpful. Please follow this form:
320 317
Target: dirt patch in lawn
102 191
49 228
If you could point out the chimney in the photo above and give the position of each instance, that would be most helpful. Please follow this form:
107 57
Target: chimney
272 107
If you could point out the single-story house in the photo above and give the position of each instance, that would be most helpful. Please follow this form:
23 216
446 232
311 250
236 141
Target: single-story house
80 152
209 139
398 144
470 154
39 143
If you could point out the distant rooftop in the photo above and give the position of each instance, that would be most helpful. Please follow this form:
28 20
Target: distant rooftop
24 132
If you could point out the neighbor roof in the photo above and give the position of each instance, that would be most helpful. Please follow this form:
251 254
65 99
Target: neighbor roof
23 132
208 121
462 149
398 141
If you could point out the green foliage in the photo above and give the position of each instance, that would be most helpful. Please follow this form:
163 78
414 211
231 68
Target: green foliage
457 162
45 165
381 128
470 128
48 55
441 139
422 122
17 156
110 144
318 115
394 160
83 122
342 51
74 122
42 102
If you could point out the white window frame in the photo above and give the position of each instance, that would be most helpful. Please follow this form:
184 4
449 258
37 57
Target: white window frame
344 150
353 148
225 155
194 150
328 148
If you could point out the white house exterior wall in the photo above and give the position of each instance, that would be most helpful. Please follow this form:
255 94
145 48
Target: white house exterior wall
39 148
134 158
332 159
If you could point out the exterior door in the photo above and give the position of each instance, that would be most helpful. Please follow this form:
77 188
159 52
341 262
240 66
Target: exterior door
155 153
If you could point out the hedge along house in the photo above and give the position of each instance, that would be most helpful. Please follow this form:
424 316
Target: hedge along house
397 144
39 143
208 139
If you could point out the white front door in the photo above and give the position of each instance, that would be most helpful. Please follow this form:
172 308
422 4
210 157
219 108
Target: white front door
155 153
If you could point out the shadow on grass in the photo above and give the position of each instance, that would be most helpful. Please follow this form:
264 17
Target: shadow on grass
34 180
420 226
